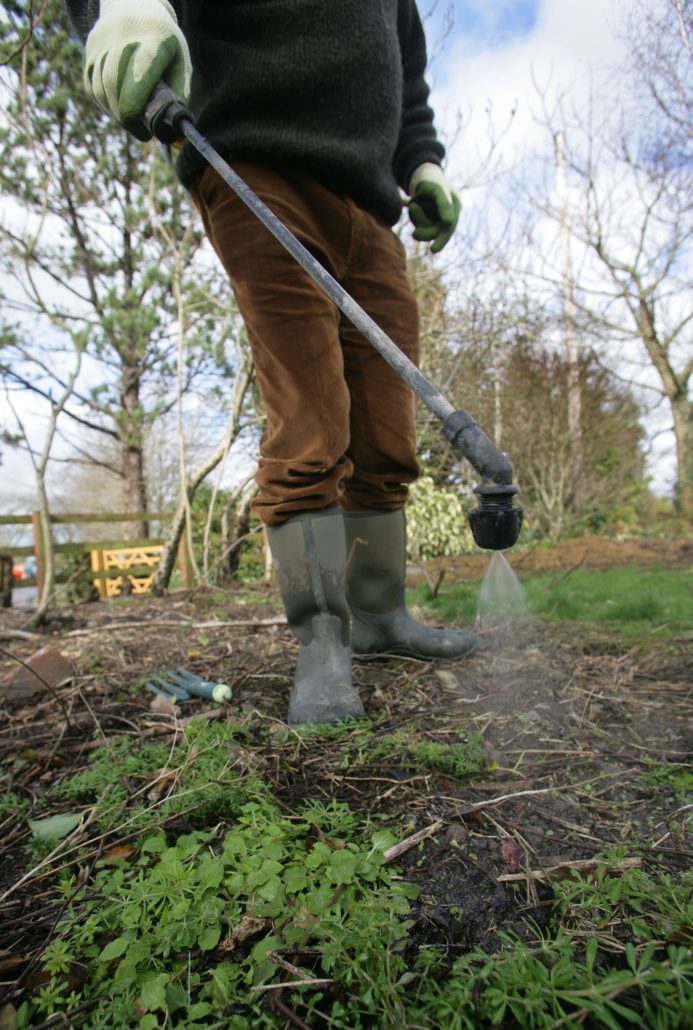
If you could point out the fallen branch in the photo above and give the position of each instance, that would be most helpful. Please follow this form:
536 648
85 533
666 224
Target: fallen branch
292 983
567 870
502 798
410 842
173 623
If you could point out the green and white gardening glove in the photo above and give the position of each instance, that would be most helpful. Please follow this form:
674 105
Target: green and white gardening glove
434 207
133 44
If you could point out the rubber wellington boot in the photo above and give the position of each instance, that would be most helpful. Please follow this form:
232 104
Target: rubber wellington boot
310 554
376 567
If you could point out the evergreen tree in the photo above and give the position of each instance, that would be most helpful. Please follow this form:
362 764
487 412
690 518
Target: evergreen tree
100 251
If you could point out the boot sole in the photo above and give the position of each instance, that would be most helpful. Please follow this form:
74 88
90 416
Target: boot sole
374 656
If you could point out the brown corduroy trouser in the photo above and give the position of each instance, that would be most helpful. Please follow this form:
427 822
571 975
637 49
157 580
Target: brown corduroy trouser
340 421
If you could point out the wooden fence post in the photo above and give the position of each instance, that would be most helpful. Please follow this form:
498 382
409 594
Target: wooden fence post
39 550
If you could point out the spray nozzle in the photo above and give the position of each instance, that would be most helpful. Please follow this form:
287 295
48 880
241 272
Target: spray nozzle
496 522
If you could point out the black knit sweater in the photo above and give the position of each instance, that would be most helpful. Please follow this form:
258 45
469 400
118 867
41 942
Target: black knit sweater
333 87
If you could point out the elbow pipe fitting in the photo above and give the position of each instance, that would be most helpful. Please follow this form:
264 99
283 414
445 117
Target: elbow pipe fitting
496 522
467 436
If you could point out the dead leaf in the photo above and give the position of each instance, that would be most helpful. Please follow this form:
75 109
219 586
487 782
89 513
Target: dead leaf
8 1017
246 760
117 852
510 853
248 926
46 669
164 780
9 961
164 706
448 679
278 732
682 935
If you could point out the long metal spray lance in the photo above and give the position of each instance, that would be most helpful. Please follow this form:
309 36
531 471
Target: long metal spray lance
498 526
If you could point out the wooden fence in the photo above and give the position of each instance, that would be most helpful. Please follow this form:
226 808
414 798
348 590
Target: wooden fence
104 569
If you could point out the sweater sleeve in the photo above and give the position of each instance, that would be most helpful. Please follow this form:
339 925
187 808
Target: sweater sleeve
82 15
418 141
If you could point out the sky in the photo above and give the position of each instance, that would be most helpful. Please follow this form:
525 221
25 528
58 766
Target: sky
493 54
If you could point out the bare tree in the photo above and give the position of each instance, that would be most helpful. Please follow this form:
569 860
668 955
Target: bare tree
627 207
182 521
40 465
633 221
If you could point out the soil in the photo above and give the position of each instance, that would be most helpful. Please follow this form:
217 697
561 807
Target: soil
572 721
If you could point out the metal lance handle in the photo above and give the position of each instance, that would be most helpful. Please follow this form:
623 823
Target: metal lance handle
168 119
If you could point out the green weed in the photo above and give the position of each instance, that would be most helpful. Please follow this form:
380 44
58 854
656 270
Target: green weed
557 984
464 758
196 925
12 806
197 776
186 935
584 974
676 777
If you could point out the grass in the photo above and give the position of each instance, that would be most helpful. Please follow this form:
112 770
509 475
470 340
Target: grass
632 599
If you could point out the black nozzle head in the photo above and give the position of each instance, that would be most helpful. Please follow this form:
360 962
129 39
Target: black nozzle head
496 522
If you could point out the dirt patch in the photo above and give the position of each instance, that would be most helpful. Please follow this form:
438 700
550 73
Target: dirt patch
576 731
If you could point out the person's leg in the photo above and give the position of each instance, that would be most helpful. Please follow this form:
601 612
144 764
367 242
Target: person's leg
294 333
382 436
382 449
293 328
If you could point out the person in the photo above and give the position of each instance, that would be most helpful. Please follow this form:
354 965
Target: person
322 108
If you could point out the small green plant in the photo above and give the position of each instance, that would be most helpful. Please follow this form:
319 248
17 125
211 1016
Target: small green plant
463 758
197 776
198 924
676 777
11 805
583 974
558 983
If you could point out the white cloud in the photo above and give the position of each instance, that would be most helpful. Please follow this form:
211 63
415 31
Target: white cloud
568 44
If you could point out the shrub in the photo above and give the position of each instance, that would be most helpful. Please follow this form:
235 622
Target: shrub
437 521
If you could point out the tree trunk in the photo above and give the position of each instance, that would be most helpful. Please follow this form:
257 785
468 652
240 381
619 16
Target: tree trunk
170 550
570 339
241 525
132 458
682 410
44 546
135 488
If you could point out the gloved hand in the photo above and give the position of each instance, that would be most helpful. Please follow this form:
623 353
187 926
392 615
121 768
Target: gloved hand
133 44
434 206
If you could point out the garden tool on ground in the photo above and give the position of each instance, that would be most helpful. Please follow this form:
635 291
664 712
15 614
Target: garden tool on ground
181 685
496 522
